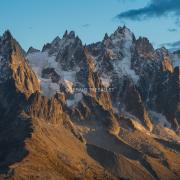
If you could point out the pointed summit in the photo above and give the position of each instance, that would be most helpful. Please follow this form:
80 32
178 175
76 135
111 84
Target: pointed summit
106 36
56 41
14 66
71 35
123 33
123 30
32 50
65 34
7 44
7 35
144 47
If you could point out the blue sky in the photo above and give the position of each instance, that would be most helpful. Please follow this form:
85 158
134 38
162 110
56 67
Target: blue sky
35 22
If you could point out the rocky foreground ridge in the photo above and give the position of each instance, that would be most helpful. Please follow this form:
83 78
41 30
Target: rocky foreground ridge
108 110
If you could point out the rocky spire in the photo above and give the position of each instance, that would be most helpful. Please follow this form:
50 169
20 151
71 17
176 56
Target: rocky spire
144 47
15 67
106 36
71 35
32 50
7 35
56 40
65 34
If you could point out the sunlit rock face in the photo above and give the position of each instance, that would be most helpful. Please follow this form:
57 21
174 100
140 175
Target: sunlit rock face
14 67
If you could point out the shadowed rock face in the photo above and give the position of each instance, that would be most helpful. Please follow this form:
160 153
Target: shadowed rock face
133 99
115 127
49 73
32 50
144 48
168 99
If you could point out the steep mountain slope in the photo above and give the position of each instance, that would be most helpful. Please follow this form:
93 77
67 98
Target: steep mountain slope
108 110
37 138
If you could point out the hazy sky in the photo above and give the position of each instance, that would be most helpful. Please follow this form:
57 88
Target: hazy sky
35 22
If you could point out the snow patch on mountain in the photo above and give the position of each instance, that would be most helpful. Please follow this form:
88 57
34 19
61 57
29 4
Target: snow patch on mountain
48 87
37 61
75 100
68 75
40 61
69 86
106 80
123 66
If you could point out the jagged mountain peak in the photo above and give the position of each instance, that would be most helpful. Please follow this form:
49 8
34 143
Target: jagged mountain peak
70 35
122 29
7 43
163 50
56 40
122 105
65 33
7 35
161 53
53 46
144 41
14 68
69 38
105 37
144 47
122 37
123 32
32 50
